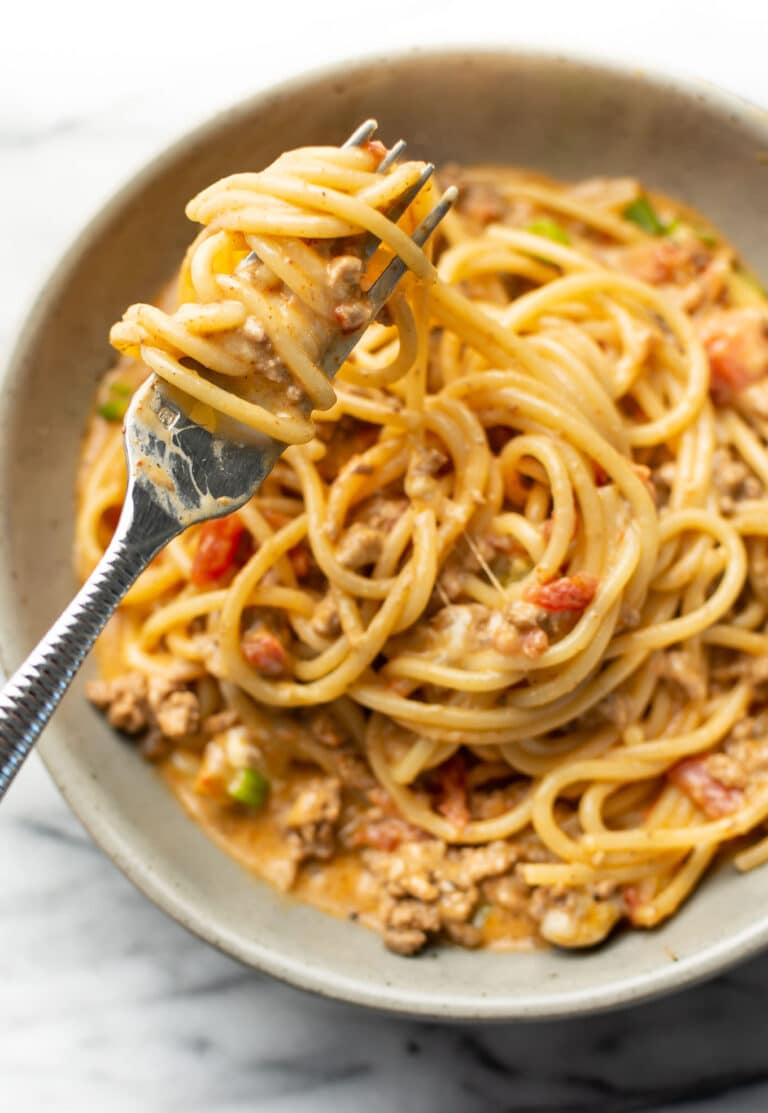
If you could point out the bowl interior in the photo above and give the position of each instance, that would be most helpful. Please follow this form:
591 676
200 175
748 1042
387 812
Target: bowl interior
564 117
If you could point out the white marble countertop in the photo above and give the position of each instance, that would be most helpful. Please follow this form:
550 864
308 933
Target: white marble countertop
105 1004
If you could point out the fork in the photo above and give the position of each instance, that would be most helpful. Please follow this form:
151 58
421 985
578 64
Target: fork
201 476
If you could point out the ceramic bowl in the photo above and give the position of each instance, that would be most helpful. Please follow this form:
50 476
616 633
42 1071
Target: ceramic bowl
564 116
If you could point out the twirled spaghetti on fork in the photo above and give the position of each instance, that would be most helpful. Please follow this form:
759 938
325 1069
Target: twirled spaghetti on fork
483 657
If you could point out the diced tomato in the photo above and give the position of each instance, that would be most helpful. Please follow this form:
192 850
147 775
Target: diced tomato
264 650
569 593
452 801
736 342
727 370
216 549
714 798
301 559
376 148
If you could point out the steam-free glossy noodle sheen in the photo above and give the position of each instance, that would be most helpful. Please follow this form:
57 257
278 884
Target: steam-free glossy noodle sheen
483 659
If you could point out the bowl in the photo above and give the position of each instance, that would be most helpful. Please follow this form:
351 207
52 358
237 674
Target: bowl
565 116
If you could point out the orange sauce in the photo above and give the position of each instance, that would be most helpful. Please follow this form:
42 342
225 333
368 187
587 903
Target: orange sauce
341 887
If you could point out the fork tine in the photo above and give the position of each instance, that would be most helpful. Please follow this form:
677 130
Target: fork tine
340 347
398 207
387 280
361 134
392 155
396 210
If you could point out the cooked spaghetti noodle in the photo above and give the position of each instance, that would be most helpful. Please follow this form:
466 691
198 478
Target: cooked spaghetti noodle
483 658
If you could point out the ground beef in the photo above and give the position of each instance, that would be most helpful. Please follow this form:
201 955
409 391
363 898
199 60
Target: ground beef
351 310
123 700
429 889
219 722
382 512
259 352
344 274
325 620
136 705
404 940
351 315
516 629
178 715
326 729
508 892
680 666
747 750
426 462
361 544
576 917
733 480
310 822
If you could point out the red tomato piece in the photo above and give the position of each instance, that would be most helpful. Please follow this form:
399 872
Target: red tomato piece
714 798
727 370
264 650
376 148
736 342
569 593
216 549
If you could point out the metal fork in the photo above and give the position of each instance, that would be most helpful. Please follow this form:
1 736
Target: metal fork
203 476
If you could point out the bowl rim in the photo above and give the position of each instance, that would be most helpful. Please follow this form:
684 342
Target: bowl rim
563 1004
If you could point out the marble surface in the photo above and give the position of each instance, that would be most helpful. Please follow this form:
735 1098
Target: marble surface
104 1003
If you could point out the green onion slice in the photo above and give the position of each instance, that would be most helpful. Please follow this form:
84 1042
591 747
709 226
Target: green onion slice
250 787
642 213
118 397
550 229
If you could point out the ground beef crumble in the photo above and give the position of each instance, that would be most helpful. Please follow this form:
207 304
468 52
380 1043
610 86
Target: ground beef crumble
310 822
431 889
161 710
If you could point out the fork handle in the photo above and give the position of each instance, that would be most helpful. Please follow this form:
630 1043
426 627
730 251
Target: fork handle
32 694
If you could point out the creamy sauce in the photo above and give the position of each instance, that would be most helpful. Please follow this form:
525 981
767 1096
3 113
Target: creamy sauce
341 887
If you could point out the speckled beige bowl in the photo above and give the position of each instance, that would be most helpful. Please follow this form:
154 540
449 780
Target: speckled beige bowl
563 116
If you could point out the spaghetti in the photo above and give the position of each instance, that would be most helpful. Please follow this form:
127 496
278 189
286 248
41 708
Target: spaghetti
483 658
